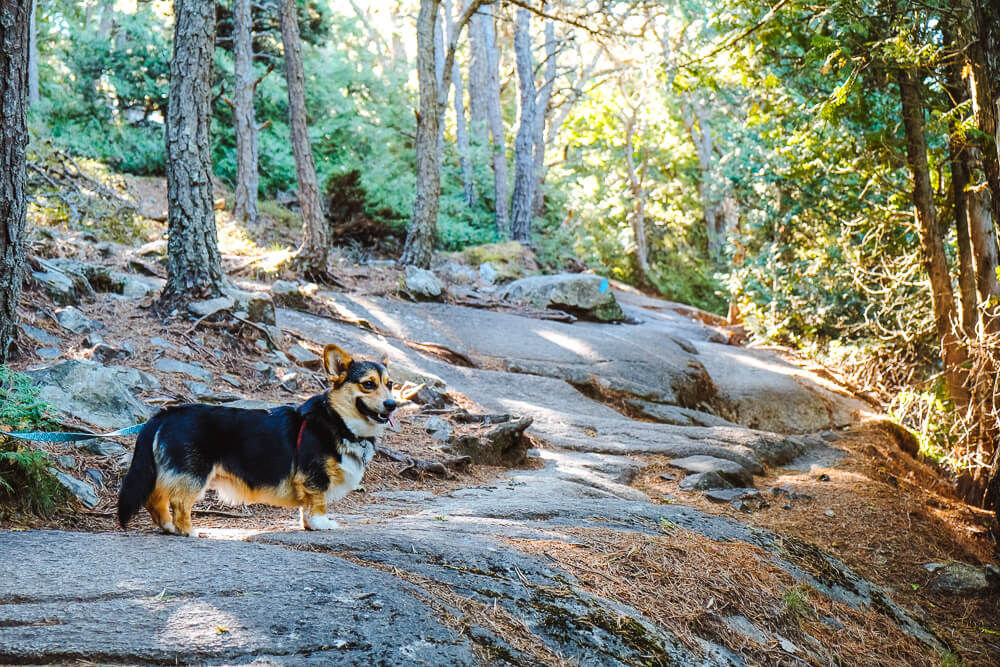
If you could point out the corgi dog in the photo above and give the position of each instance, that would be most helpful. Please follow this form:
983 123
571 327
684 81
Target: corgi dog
306 456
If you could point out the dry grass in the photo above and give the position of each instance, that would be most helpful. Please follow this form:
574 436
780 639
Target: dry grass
690 584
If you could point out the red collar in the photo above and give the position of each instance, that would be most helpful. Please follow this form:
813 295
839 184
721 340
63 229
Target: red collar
298 441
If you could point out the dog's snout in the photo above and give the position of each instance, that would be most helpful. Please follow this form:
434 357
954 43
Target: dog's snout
389 405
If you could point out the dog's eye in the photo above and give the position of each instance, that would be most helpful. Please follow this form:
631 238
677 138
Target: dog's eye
388 385
368 384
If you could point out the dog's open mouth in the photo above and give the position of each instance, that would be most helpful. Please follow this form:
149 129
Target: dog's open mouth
374 415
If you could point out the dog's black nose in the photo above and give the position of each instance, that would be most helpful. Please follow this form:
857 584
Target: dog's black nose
389 405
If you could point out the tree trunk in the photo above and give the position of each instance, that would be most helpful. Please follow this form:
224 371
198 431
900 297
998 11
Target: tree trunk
638 216
423 225
33 94
108 19
983 71
495 118
461 137
696 122
522 207
544 103
193 263
478 78
984 247
440 48
245 207
14 27
932 245
312 255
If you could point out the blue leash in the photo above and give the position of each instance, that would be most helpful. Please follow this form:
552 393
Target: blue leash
69 436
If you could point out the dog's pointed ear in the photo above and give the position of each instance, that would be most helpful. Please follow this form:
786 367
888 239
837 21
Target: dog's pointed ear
335 363
385 360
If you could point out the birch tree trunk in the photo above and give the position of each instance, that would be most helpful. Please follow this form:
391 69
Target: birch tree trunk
544 103
33 94
193 263
522 207
14 27
953 355
245 206
461 136
313 253
495 118
423 225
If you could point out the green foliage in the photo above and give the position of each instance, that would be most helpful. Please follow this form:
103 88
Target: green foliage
26 483
795 602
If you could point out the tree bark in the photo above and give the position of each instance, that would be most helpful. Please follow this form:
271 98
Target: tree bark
523 205
478 79
14 28
638 215
33 94
544 104
932 245
696 123
983 60
193 264
107 23
461 135
495 118
245 205
423 225
312 255
984 247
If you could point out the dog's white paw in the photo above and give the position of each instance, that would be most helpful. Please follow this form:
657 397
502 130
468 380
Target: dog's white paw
320 522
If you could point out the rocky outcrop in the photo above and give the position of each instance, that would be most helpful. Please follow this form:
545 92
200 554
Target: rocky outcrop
583 295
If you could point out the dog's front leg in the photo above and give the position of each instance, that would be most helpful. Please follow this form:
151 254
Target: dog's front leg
314 518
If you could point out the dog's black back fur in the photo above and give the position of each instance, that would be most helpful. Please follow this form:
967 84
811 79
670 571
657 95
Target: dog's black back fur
258 446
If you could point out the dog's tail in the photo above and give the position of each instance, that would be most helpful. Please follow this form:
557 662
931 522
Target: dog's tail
140 480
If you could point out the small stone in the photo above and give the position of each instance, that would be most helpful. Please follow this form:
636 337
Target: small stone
831 622
93 340
73 320
786 645
829 436
83 491
40 336
159 342
789 492
667 477
436 424
280 357
731 471
786 506
48 353
487 273
168 365
107 354
257 306
274 333
823 478
136 289
829 513
66 461
955 578
423 283
153 248
102 447
124 461
94 476
199 389
743 626
209 306
729 495
290 382
704 480
303 357
231 380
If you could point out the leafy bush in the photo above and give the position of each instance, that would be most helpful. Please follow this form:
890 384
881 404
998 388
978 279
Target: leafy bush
26 483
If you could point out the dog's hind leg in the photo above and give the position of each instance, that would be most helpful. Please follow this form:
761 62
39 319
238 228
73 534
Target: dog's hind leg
159 509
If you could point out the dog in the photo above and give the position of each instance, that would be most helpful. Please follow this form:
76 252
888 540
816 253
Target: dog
306 456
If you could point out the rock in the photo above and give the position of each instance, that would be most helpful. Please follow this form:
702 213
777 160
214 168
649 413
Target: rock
48 353
159 342
66 461
136 287
83 491
487 273
786 645
743 626
955 578
290 382
73 320
102 447
505 445
232 380
89 277
265 371
258 306
667 477
702 481
789 492
510 259
291 295
99 395
436 424
674 414
431 397
729 470
585 295
198 389
729 495
749 504
829 436
304 357
423 283
669 498
60 287
829 513
209 306
93 340
823 478
124 461
157 248
40 336
106 354
95 477
280 358
168 365
831 622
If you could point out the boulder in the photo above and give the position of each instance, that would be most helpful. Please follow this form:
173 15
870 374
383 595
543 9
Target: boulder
258 306
423 283
57 285
505 445
585 295
292 295
209 306
48 353
702 481
955 578
84 492
136 287
487 273
168 365
731 471
90 277
99 395
73 320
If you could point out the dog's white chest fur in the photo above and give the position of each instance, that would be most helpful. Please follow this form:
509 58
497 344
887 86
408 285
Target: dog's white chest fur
354 456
